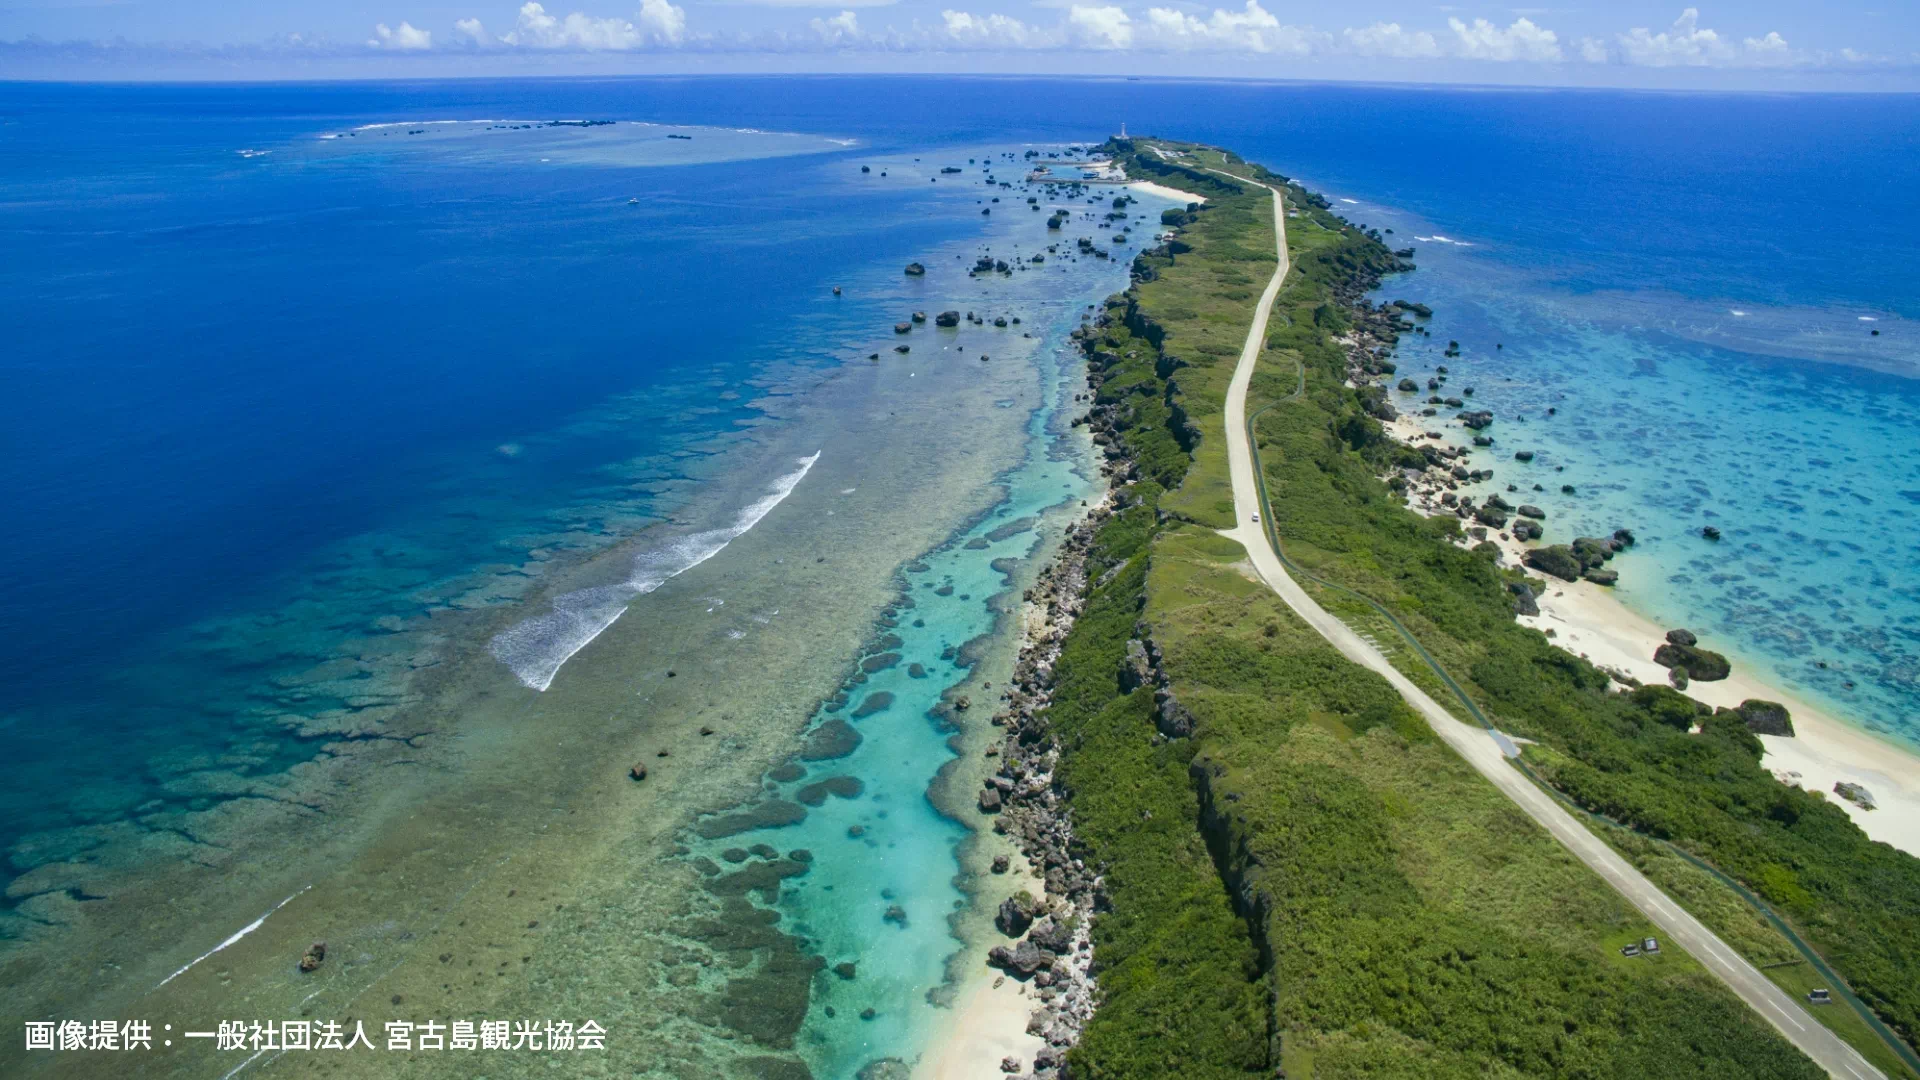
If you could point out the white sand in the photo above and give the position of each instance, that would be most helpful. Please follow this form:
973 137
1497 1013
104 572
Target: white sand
988 1022
1591 621
1823 750
1166 192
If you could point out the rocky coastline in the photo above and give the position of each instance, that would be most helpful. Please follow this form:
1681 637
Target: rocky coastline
1430 475
1048 944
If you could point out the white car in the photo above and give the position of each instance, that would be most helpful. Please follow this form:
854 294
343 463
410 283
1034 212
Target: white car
1256 519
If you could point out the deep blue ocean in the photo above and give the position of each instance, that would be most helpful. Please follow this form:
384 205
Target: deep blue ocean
253 403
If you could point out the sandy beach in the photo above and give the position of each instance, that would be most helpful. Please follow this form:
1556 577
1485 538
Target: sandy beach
1823 750
988 1021
1592 622
993 1012
1165 192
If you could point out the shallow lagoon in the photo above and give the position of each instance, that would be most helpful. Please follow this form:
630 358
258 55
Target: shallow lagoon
1666 421
424 455
350 758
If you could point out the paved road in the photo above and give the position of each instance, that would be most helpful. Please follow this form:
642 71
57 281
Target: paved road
1479 748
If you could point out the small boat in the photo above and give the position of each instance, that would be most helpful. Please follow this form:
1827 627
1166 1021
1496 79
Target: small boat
836 290
633 202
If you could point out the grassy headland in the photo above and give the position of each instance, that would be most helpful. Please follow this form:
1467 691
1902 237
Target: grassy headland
1308 879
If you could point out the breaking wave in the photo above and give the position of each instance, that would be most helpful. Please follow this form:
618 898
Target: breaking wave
534 649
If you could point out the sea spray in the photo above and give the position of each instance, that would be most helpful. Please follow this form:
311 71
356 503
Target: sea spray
535 649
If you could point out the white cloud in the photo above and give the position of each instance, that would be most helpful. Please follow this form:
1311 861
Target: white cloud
1688 44
1521 41
1253 29
404 39
1100 27
1685 43
666 22
1174 28
1593 50
1772 49
661 23
988 31
842 29
1388 39
471 30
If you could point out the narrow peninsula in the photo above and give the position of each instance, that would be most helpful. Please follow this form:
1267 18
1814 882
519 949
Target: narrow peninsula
1262 858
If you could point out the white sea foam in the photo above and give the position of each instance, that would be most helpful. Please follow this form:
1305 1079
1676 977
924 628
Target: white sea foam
236 936
1867 318
424 123
237 1069
1351 202
1738 314
534 649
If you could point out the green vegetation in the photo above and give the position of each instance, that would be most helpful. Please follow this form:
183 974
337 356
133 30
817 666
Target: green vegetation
1628 756
1748 932
1312 880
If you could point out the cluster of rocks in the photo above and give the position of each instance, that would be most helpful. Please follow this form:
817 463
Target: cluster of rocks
1050 947
948 320
1685 661
1585 558
1434 480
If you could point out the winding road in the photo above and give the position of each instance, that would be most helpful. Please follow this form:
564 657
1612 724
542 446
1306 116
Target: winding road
1487 751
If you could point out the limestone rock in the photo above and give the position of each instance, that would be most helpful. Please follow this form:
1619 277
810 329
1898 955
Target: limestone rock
1766 717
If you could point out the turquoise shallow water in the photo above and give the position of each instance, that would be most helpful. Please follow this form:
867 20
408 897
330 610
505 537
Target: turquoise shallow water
282 430
884 881
315 516
1667 419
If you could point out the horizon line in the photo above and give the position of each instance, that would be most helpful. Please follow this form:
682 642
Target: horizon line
1370 83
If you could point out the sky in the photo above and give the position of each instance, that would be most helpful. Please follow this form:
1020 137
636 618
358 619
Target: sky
1753 45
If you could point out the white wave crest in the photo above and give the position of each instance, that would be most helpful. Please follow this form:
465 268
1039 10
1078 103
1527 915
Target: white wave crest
231 938
534 649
